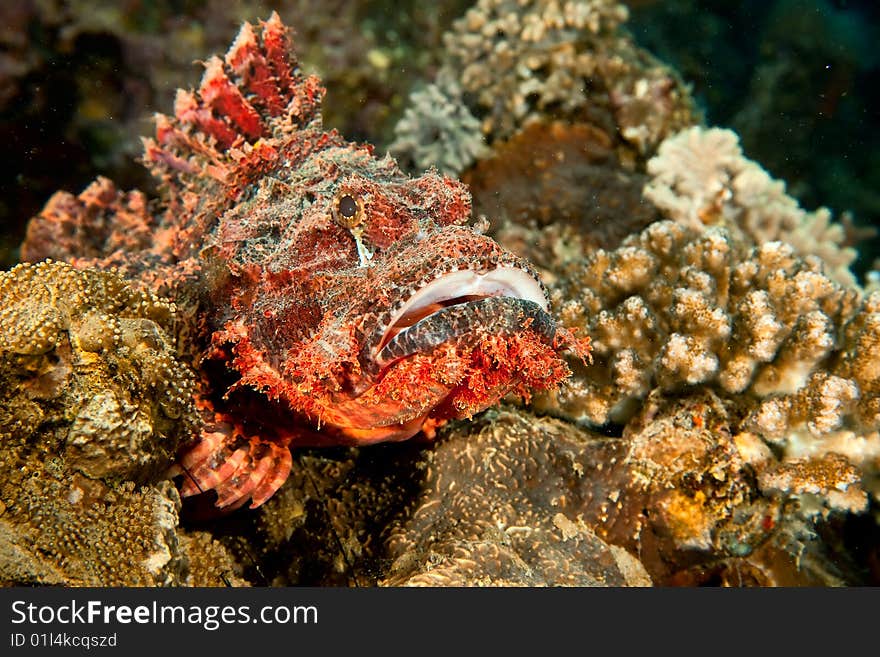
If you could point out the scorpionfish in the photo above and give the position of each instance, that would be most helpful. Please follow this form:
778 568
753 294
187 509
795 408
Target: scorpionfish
328 297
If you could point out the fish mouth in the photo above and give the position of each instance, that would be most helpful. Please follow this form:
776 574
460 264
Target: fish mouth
463 303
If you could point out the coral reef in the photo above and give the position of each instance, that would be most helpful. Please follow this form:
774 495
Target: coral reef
438 130
545 59
789 350
726 430
521 500
675 307
701 178
94 401
690 496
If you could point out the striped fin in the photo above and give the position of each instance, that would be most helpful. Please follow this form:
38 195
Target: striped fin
256 92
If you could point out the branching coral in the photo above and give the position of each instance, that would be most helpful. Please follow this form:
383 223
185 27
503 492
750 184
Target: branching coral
676 308
438 130
701 178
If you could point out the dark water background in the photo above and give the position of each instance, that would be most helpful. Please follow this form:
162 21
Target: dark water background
799 80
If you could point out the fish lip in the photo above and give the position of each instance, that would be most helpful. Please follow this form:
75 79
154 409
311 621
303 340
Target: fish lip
491 315
466 290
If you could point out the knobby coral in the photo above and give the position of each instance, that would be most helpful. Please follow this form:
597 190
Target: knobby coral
700 178
94 401
438 129
518 61
677 309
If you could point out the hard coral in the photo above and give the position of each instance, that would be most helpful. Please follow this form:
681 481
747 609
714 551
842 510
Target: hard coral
700 178
501 503
675 307
437 129
791 351
519 60
93 399
84 351
516 499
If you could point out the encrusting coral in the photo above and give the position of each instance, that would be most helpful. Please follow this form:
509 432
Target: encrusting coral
516 499
84 349
93 400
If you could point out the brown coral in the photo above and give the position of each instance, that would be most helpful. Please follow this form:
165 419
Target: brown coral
501 504
84 349
558 176
516 499
93 398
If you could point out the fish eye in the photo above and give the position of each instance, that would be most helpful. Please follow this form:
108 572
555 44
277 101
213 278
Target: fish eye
348 210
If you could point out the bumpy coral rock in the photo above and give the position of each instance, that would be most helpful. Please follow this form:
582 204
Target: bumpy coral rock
93 399
326 526
82 350
701 178
521 60
64 529
682 495
516 499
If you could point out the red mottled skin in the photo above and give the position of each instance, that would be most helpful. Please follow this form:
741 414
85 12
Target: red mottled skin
289 249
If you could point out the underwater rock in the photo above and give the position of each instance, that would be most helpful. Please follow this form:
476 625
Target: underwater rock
89 364
741 367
